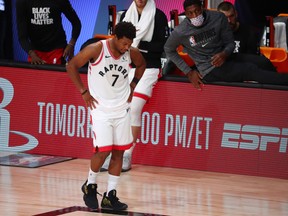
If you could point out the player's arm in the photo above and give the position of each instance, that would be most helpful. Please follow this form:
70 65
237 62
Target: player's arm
72 16
89 53
140 65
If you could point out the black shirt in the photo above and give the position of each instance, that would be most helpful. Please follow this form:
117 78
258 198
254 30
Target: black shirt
40 24
246 40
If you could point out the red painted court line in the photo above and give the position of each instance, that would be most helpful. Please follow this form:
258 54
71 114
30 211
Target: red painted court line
85 209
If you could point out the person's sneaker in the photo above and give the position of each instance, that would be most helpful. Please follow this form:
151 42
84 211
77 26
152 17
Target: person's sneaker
105 166
126 166
90 195
112 202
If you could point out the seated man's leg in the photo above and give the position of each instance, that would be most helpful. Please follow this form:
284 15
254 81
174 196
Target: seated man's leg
232 71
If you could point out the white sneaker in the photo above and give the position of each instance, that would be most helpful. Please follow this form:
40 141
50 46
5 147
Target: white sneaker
126 166
105 166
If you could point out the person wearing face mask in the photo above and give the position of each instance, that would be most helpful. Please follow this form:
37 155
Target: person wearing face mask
208 39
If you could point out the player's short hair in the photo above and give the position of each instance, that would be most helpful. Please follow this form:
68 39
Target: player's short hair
225 6
188 3
125 29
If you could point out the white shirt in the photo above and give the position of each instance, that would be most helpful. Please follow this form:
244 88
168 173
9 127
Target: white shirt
108 81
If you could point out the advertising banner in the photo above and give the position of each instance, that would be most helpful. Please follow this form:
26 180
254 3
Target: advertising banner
220 128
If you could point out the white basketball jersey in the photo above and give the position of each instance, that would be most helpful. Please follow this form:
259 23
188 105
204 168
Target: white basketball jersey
108 80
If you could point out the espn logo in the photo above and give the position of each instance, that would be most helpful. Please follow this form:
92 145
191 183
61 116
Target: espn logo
253 137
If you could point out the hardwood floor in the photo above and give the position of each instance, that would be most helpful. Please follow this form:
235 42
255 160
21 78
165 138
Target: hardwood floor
146 189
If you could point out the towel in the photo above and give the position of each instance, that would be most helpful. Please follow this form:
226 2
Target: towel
280 35
145 26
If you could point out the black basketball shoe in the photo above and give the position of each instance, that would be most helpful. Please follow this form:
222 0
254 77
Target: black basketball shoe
112 202
90 195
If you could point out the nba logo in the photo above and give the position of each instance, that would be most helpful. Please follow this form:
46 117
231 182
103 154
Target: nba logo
192 41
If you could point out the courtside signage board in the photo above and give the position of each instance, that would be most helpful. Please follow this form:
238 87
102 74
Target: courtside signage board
221 128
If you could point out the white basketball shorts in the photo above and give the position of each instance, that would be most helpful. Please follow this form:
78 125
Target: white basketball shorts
111 133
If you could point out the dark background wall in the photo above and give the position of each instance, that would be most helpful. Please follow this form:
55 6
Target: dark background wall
94 18
6 31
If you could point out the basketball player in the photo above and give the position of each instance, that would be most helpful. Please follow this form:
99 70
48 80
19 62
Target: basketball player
108 97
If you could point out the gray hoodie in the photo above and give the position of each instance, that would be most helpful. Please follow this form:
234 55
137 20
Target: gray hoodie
201 43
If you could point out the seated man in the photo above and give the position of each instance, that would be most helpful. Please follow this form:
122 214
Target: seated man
246 42
245 37
206 37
